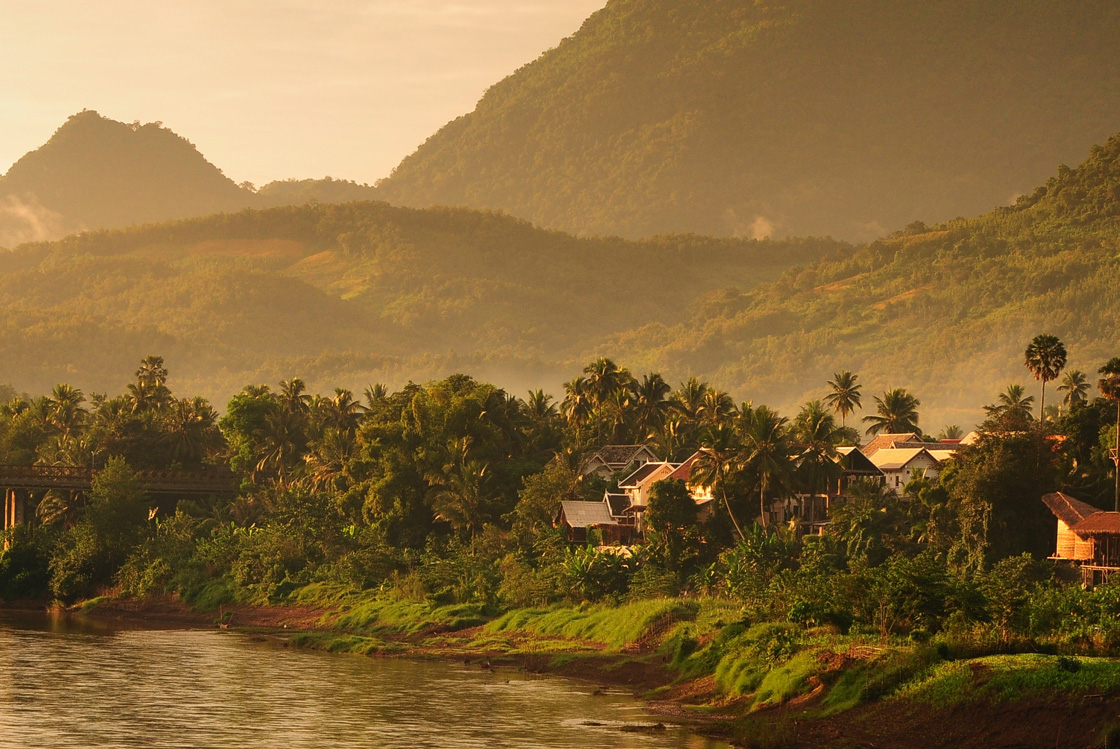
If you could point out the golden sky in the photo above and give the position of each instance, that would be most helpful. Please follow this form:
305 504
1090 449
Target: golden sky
268 90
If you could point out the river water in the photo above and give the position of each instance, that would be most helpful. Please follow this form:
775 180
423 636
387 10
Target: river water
74 683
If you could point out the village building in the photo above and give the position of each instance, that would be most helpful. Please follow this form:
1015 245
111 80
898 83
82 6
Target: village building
578 520
1087 537
899 464
612 459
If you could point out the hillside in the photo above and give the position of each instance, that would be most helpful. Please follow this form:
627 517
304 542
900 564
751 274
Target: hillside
946 311
349 295
96 173
792 117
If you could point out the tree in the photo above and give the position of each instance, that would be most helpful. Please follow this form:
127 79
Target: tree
815 430
1076 387
1109 385
845 397
1045 358
897 413
150 391
720 457
650 405
1011 411
767 452
669 519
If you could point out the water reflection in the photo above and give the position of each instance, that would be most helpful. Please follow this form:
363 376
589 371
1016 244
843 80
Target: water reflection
73 683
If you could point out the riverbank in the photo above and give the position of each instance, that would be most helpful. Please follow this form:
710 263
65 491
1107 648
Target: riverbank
695 662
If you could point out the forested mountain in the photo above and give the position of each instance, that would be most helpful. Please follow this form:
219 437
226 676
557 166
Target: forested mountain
945 310
96 173
799 117
349 295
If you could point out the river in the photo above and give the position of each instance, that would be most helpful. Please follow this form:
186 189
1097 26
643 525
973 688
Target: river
78 683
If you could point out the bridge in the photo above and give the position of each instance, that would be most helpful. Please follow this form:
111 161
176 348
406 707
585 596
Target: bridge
19 481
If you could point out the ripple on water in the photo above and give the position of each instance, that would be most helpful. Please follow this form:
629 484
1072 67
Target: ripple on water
194 689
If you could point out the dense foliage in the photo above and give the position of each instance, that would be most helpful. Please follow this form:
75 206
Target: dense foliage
349 294
795 117
448 492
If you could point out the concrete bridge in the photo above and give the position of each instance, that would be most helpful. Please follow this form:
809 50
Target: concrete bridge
18 482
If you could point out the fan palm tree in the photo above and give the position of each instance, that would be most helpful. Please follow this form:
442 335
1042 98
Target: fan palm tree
845 397
1045 358
192 430
897 413
720 457
767 452
1075 385
1109 385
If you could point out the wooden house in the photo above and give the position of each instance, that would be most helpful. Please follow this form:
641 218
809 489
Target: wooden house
578 518
1088 537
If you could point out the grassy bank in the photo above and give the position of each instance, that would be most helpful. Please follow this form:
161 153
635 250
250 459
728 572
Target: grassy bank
761 684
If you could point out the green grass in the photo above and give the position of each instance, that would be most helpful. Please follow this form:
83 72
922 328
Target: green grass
787 681
613 627
334 643
1000 678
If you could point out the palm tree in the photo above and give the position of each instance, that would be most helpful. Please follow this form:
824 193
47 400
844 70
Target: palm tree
150 391
1045 358
716 407
65 412
897 413
1109 385
651 408
720 456
293 397
327 460
845 397
375 394
1013 406
767 452
459 492
1076 387
576 407
192 430
815 431
951 432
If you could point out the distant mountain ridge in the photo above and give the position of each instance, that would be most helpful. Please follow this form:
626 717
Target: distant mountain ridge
802 117
97 173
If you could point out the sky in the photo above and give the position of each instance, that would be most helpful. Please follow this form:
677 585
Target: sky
268 90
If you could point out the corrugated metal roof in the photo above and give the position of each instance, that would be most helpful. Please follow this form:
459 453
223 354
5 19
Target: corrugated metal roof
584 514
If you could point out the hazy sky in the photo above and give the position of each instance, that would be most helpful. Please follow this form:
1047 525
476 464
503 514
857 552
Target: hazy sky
268 90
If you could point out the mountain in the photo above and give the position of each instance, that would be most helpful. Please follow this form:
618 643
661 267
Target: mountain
96 173
946 311
781 117
351 294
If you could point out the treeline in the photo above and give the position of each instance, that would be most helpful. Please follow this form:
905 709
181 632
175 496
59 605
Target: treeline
448 491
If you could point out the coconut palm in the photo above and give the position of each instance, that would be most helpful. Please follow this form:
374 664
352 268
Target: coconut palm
327 459
716 407
1045 358
651 407
293 397
375 394
719 458
65 412
192 430
897 413
1013 407
767 452
1075 385
951 432
815 432
845 397
1109 385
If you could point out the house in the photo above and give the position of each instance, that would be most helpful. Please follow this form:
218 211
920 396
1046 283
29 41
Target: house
638 484
577 519
612 459
1088 537
700 492
899 463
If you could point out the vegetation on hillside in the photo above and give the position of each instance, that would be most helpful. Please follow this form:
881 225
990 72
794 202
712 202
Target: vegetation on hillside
796 117
350 294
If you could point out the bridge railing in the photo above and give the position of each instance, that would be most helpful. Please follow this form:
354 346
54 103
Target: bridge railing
73 477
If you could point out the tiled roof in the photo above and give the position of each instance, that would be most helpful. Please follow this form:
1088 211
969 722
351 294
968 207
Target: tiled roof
887 441
644 471
584 514
620 455
684 470
893 459
1067 509
617 503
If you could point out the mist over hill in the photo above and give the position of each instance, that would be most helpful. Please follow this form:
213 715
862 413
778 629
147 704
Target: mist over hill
349 295
798 117
944 310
